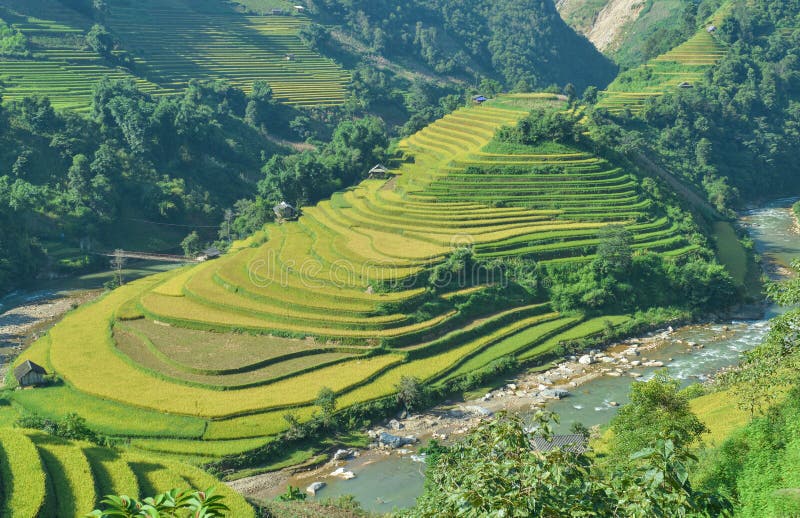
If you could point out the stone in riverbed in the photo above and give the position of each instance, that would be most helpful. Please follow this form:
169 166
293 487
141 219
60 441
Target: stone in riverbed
585 360
393 441
315 487
394 424
554 393
478 410
342 454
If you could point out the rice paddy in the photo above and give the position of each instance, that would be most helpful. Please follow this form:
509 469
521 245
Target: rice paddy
43 475
207 360
172 43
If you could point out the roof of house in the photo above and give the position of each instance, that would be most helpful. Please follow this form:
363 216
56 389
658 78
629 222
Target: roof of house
283 205
480 98
575 443
26 368
211 251
379 169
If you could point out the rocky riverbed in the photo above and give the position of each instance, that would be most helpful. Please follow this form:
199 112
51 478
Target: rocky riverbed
22 324
403 435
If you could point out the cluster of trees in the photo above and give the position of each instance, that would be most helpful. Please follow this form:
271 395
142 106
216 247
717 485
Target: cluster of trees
66 179
544 125
12 42
524 43
620 280
495 471
734 134
310 176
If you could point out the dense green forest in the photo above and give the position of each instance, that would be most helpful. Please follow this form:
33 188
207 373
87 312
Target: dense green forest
75 181
522 43
732 135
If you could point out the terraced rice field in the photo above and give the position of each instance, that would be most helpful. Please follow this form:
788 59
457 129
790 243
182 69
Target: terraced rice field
172 42
176 44
44 476
682 67
221 351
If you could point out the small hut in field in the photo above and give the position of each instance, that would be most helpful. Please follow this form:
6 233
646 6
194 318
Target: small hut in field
686 84
29 374
209 254
379 172
285 212
480 99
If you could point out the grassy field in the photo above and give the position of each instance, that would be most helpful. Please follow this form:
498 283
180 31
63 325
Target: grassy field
172 42
207 360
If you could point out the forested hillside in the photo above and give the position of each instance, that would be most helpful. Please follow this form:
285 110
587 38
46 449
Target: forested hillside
731 130
631 31
522 43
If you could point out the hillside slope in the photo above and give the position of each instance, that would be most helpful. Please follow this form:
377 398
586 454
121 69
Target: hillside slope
601 21
366 288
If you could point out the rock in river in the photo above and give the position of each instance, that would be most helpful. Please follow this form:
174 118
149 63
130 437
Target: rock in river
394 441
554 393
313 488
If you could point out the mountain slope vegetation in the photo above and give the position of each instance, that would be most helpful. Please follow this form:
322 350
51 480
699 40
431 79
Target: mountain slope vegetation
436 272
521 43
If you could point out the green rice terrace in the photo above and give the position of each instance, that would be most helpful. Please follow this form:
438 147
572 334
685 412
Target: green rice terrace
171 42
304 305
43 475
682 67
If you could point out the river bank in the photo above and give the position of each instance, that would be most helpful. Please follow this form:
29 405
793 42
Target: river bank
27 315
22 324
555 389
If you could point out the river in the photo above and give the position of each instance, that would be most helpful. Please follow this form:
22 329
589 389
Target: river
384 483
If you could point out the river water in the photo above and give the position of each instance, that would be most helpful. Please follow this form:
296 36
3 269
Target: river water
390 482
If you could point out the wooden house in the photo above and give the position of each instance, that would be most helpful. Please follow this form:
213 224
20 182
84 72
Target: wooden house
209 253
29 374
284 212
480 99
379 172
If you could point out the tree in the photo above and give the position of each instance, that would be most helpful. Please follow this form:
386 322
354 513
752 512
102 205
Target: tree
410 393
571 92
172 504
191 244
326 401
101 41
657 410
614 253
590 95
78 177
490 87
